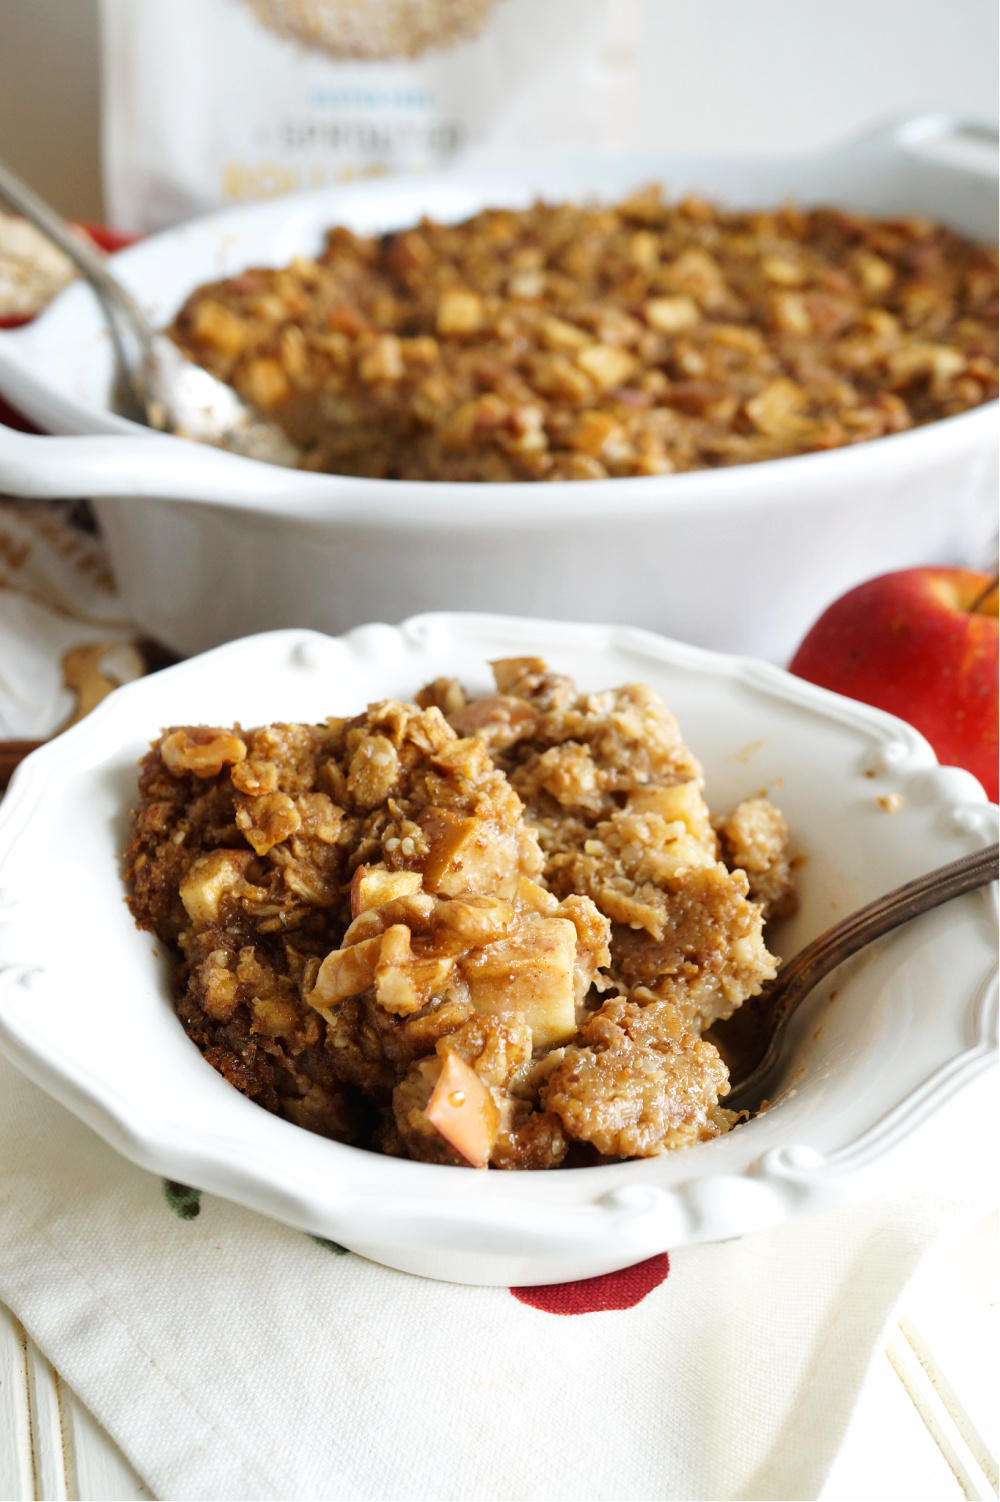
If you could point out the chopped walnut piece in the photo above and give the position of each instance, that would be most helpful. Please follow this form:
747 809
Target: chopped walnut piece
221 988
519 675
607 365
211 878
267 820
777 411
346 972
373 888
406 979
445 694
476 919
255 776
201 751
373 772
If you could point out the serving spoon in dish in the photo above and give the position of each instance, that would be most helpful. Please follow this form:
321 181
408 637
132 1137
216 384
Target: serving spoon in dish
752 1039
158 385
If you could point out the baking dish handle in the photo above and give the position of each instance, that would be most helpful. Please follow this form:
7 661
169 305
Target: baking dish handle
161 466
911 132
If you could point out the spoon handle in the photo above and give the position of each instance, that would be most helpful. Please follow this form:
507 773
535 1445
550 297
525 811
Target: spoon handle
830 949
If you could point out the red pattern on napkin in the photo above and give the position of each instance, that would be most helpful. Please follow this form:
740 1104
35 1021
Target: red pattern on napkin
620 1290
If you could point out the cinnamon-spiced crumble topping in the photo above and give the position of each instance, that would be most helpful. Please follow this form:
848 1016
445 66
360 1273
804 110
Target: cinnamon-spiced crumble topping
486 931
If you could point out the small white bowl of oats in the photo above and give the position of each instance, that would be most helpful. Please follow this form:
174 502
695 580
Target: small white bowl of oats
431 959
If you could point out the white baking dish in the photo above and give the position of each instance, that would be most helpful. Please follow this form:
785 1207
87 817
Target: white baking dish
208 546
882 1047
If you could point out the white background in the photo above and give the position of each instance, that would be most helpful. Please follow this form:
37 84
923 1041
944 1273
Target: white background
728 75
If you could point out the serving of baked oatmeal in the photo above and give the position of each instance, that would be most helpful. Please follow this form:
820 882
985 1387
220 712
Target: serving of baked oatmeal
574 342
486 931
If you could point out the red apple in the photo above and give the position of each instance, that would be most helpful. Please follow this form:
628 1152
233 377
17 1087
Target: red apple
922 644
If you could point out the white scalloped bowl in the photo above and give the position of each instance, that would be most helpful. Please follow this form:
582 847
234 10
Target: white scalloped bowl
85 1004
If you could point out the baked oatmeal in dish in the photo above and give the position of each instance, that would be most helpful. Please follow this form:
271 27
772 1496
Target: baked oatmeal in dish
485 931
569 342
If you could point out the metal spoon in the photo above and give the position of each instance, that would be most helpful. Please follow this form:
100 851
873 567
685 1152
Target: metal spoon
161 387
762 1032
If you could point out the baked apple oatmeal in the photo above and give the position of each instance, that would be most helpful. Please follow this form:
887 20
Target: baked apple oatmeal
486 931
569 342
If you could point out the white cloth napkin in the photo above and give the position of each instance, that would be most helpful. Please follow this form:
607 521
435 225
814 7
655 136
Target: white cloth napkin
232 1357
56 593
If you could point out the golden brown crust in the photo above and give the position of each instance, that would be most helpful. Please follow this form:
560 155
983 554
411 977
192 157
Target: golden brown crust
643 1084
565 342
754 838
379 940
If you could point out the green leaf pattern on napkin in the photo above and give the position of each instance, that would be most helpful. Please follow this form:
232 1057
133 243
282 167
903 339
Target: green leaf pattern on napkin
186 1202
331 1246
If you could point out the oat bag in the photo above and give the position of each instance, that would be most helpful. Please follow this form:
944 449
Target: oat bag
215 102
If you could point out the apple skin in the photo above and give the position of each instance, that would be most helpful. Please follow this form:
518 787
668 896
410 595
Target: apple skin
922 644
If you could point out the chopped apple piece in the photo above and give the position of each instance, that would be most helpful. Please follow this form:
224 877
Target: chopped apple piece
532 973
463 1111
448 835
209 879
373 888
467 855
497 719
523 893
509 671
683 802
